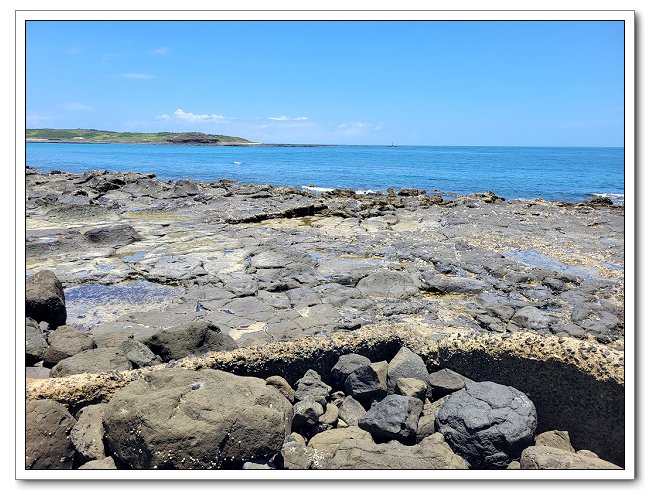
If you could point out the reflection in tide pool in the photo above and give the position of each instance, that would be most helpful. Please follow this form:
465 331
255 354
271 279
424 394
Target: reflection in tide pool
90 305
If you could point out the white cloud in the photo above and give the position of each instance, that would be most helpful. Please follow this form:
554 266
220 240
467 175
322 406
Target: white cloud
36 119
77 106
160 50
136 76
283 118
355 128
186 116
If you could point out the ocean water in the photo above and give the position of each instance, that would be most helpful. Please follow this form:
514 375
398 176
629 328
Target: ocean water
570 174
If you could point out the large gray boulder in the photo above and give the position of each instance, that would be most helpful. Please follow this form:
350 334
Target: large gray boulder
488 424
405 364
178 419
35 342
116 235
547 457
104 359
431 453
190 338
44 299
47 435
394 417
345 365
64 342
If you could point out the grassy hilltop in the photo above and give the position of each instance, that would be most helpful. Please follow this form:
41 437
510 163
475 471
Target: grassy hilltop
78 135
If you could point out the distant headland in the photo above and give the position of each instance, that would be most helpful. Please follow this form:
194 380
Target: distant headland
91 136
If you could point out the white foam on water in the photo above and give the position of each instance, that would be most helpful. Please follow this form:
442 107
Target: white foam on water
318 189
615 197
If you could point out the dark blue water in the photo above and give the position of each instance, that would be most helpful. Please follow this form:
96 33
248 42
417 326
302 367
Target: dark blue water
571 174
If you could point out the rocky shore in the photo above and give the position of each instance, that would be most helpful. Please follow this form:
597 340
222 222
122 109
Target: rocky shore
205 291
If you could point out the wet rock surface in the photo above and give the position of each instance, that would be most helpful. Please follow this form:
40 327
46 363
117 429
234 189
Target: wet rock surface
154 274
269 263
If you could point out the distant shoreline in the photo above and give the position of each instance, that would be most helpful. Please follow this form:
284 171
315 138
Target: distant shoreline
163 143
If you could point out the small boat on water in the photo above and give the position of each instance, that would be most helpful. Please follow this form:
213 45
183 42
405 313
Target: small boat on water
237 162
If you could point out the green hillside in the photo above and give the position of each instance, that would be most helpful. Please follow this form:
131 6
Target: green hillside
102 136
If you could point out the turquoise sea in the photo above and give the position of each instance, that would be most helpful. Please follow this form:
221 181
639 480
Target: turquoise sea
571 174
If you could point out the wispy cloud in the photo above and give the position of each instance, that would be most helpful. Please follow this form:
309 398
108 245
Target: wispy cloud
354 128
136 76
189 117
77 106
160 50
283 118
33 119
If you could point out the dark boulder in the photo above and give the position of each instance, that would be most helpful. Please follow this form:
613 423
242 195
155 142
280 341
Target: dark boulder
345 365
190 338
364 385
44 299
394 417
47 441
488 424
179 419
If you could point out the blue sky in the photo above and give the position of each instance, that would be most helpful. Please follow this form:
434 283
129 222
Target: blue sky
415 82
